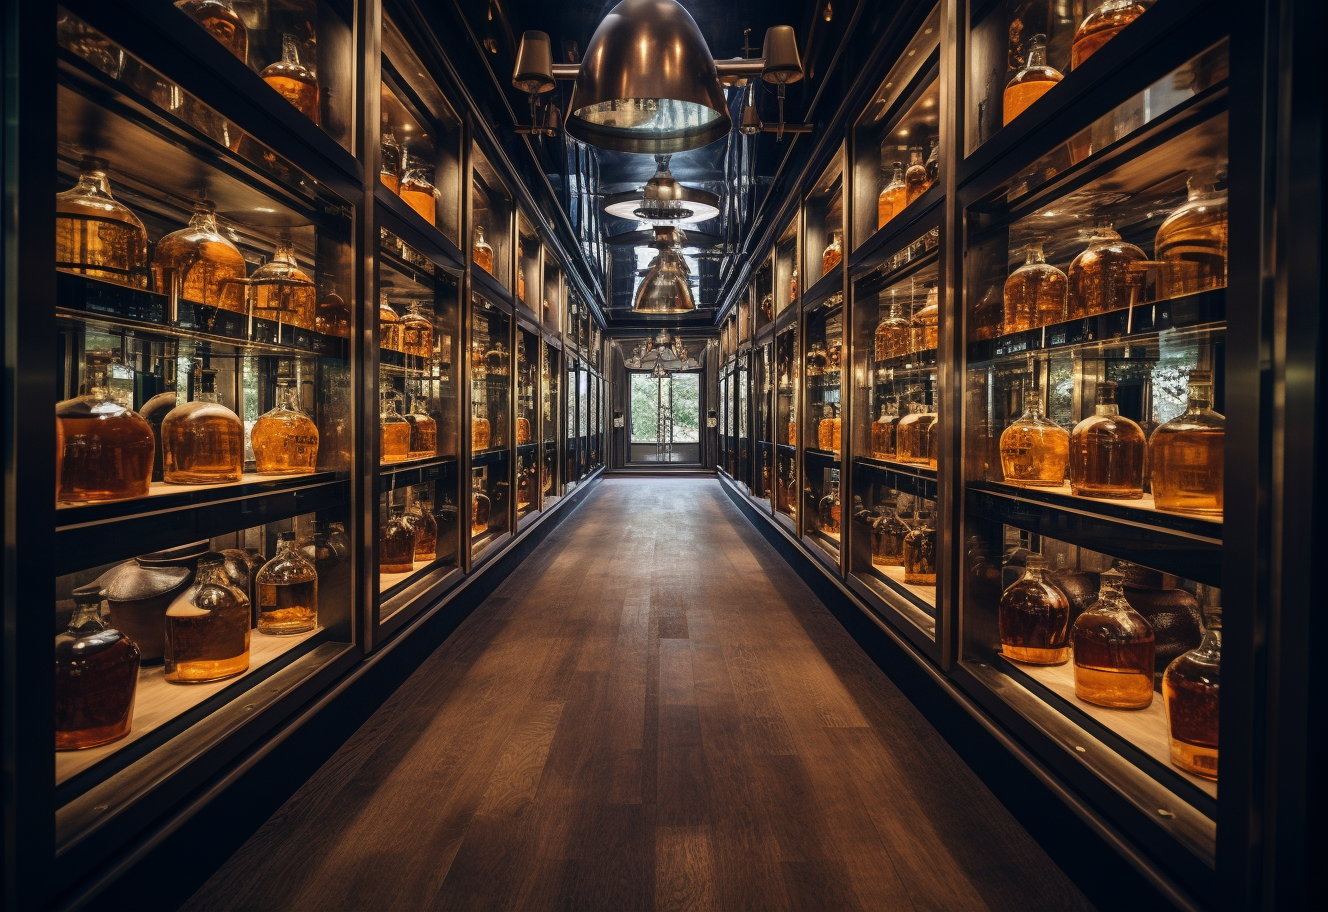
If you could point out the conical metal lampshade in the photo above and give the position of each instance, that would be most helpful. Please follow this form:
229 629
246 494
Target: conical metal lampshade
648 83
667 287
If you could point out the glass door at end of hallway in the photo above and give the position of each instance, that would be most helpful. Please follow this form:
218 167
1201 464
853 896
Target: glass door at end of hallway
665 416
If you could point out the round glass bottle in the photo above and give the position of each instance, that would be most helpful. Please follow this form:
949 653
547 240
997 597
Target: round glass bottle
1114 649
207 627
285 439
389 163
1188 453
834 252
1034 449
893 196
481 252
396 543
829 509
419 513
1034 618
423 430
892 333
827 430
103 451
1035 293
96 235
480 509
1191 244
1100 26
332 318
793 286
320 550
202 440
914 436
915 178
222 23
281 292
199 264
96 678
1190 692
927 323
394 433
287 591
292 80
389 325
1106 276
1107 451
888 533
417 331
417 189
920 553
1030 82
883 432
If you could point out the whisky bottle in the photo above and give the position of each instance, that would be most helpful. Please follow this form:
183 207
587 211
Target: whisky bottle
1107 452
888 533
1106 276
1191 245
207 627
292 80
481 434
525 487
417 189
96 678
925 332
389 325
989 314
521 284
423 431
933 165
389 164
287 591
834 252
419 513
920 553
827 431
915 178
103 451
892 333
1035 294
1100 26
829 509
480 510
285 439
1031 82
396 543
417 332
1034 449
1190 691
883 432
893 196
394 431
281 291
793 286
481 253
332 318
522 431
97 236
1114 648
202 440
197 263
915 434
1187 454
1034 619
792 427
222 23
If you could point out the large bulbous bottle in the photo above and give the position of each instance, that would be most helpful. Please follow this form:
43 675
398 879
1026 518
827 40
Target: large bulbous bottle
1034 619
1034 449
285 439
96 678
103 451
1113 650
1188 453
293 80
95 234
1106 276
282 292
207 627
1190 689
203 440
1191 244
287 589
1107 451
198 264
1031 81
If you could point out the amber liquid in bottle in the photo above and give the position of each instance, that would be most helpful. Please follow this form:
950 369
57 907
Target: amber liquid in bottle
284 440
332 318
481 252
1034 619
294 81
915 178
207 628
1106 276
202 440
1190 689
423 432
418 192
1035 294
1107 452
197 263
888 533
417 332
1034 449
97 236
829 509
834 252
920 554
389 325
1114 648
103 451
287 589
396 545
281 292
480 510
1100 26
893 197
389 169
481 434
96 679
395 434
1030 83
426 530
883 434
1188 454
222 23
1191 244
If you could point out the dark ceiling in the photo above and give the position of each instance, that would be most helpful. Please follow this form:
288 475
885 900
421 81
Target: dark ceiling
570 24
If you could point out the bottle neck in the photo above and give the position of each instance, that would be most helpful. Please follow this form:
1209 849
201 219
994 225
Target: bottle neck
1037 53
205 219
212 573
87 615
1200 397
286 396
94 183
916 157
285 254
1035 255
290 50
1033 406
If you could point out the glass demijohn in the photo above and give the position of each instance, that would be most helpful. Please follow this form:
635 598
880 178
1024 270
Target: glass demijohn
396 543
920 553
417 332
390 158
1114 648
96 678
915 178
1190 689
1187 454
1100 26
394 431
285 439
417 189
103 451
199 264
292 80
222 23
481 252
1107 451
207 627
281 292
1191 244
1034 619
420 515
888 533
423 431
1035 294
287 589
97 236
1106 276
893 197
834 252
202 440
389 325
1034 449
1031 82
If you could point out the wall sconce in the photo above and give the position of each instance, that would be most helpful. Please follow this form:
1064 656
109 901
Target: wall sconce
712 418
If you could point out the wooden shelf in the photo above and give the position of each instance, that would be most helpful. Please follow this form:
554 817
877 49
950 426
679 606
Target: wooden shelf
158 701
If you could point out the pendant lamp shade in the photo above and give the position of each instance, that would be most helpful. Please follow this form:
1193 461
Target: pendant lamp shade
648 83
667 287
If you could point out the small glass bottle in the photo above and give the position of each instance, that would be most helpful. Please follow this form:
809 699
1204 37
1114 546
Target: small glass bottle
389 325
202 440
1190 691
920 553
332 318
1031 82
933 165
1187 453
480 509
914 435
827 430
285 439
1034 449
419 513
197 263
481 433
396 543
894 333
834 252
481 252
417 189
417 331
281 291
915 178
207 627
1107 451
1105 276
96 235
292 80
423 431
925 333
883 432
1100 26
222 23
893 196
793 286
287 591
1033 619
1035 293
96 678
1191 244
888 533
829 509
1114 647
389 164
103 451
394 431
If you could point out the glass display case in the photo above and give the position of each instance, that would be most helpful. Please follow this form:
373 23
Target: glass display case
303 54
786 278
551 305
492 215
583 421
897 140
551 487
743 408
572 442
763 425
527 423
822 426
529 269
420 145
788 384
490 424
823 232
726 419
763 292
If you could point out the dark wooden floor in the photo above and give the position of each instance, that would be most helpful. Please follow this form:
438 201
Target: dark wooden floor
652 712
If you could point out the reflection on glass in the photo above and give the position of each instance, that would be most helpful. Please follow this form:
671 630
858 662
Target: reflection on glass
222 23
1188 453
1190 689
1192 243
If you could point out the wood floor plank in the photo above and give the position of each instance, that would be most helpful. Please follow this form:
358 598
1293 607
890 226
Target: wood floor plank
653 712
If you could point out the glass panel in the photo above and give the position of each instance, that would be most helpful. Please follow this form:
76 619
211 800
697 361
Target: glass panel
763 424
897 140
527 446
528 265
763 291
491 211
550 482
490 413
787 380
787 288
744 420
822 424
573 456
823 224
552 305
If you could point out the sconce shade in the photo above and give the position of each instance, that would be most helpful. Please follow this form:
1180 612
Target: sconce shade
667 287
782 63
533 73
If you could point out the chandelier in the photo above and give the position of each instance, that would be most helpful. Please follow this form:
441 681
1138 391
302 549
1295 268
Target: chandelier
661 355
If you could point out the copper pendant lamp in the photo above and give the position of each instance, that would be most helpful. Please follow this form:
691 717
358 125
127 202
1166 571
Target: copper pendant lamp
667 286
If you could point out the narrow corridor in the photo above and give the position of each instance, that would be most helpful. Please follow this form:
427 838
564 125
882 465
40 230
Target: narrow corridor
654 713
